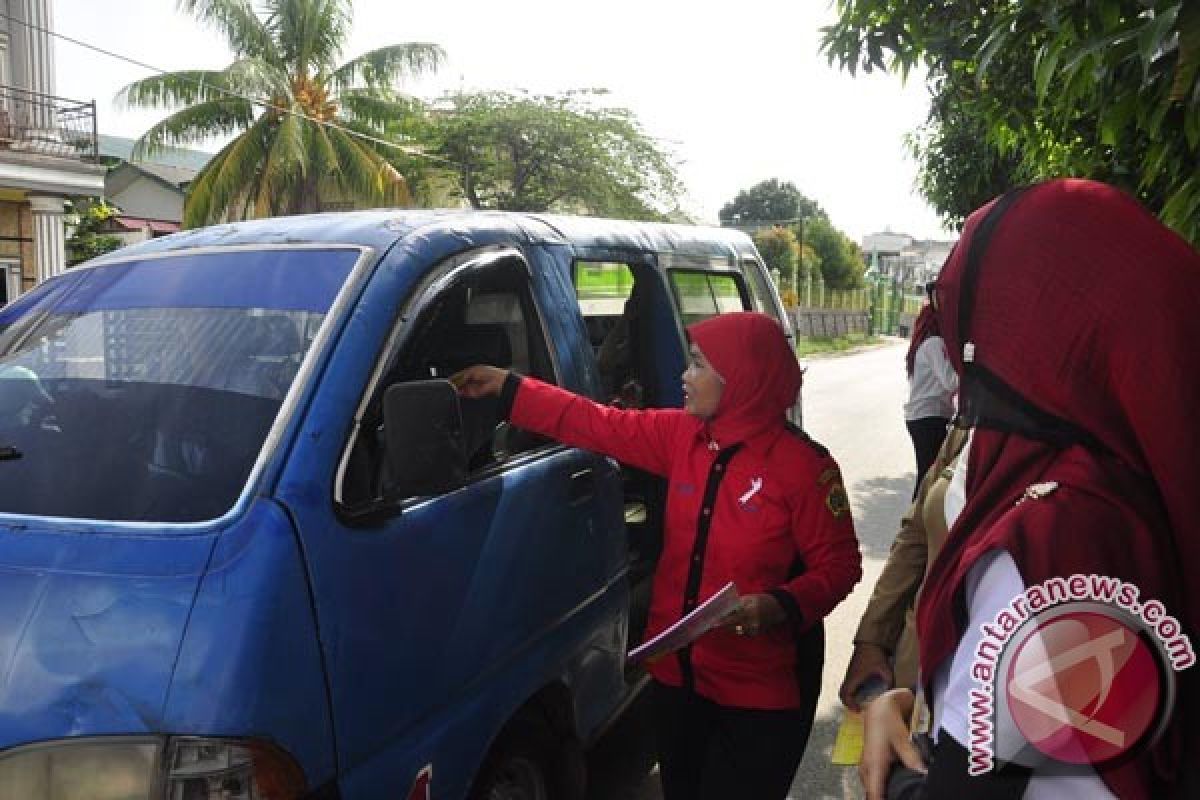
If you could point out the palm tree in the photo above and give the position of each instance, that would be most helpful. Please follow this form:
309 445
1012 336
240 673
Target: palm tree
296 152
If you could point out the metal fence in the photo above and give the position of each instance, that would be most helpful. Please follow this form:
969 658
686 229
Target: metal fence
879 308
821 323
47 125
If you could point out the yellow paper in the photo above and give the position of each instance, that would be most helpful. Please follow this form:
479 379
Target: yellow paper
848 745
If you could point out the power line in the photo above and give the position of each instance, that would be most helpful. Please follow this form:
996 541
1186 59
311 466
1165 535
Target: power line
253 100
739 221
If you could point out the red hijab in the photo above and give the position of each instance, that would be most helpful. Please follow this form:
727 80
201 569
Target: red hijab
762 376
925 325
1087 310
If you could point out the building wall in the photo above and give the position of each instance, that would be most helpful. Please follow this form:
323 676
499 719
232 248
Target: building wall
936 254
133 237
16 240
148 199
885 242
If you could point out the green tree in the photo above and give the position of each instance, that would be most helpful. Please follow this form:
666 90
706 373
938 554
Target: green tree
961 169
1108 89
88 239
841 261
769 202
781 252
565 152
281 161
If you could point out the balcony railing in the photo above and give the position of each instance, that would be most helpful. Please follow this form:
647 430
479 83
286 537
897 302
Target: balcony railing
46 125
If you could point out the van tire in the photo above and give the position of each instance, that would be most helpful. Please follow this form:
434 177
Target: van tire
530 762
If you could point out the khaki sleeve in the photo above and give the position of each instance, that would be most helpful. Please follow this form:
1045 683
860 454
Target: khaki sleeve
898 584
883 621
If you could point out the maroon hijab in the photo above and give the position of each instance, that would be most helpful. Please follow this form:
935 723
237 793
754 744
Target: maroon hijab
1086 312
925 325
762 377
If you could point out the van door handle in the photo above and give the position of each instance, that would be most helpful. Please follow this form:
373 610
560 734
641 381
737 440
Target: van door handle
583 485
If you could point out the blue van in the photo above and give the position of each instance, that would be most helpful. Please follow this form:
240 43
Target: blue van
253 546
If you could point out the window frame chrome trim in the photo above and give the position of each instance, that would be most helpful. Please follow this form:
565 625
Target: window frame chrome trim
440 277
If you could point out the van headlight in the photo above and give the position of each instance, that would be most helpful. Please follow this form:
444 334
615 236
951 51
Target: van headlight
143 768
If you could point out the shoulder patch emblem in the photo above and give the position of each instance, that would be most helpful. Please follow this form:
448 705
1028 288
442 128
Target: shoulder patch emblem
835 499
837 502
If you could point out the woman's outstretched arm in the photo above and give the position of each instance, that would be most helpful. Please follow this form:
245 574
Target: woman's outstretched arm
644 439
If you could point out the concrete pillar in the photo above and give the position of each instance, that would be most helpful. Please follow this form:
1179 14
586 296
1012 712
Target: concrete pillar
49 235
40 53
39 64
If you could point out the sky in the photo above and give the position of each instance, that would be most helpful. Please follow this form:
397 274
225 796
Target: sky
738 92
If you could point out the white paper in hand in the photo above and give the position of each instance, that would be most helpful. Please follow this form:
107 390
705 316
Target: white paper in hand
700 621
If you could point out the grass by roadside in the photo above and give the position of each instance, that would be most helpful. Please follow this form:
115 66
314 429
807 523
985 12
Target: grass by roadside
836 344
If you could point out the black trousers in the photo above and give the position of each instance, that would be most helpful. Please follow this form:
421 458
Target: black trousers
712 752
927 435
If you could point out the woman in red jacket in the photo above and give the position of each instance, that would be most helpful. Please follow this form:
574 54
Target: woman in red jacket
751 500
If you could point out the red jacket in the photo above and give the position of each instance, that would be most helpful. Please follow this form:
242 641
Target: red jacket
775 519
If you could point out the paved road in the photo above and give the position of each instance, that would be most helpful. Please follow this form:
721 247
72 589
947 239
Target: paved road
852 404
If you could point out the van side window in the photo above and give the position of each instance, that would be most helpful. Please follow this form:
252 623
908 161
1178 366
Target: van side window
623 307
609 300
701 295
487 316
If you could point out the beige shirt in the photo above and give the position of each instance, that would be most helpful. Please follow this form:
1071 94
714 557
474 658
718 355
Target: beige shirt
889 619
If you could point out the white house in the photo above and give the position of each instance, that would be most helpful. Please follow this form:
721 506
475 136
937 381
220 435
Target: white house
912 261
47 150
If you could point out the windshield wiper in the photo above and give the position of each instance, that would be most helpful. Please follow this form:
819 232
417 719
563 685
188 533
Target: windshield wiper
9 453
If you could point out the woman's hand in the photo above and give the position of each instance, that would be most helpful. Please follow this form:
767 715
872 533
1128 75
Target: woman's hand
479 381
886 739
756 613
868 661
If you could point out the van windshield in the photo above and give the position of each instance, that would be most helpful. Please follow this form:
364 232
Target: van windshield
144 390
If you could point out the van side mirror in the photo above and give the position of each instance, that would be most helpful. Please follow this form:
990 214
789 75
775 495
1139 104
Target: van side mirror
423 427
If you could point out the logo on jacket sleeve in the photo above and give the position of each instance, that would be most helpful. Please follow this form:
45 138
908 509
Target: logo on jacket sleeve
835 500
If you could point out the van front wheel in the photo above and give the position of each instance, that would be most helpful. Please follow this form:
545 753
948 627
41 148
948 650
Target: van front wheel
526 763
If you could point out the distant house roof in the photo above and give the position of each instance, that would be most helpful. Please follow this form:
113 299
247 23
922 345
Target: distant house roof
177 176
172 169
175 157
123 174
147 192
157 226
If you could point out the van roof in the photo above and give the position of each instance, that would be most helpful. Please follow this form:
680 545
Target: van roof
380 229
